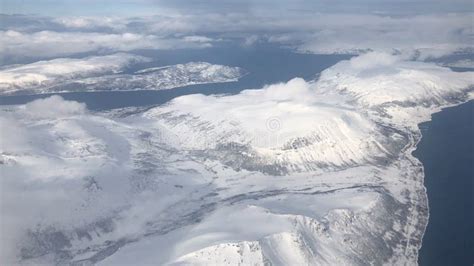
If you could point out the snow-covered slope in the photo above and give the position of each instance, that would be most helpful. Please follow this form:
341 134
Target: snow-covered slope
105 73
47 73
307 173
160 78
383 79
279 129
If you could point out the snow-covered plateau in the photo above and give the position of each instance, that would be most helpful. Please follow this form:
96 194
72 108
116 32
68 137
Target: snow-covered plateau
107 73
298 173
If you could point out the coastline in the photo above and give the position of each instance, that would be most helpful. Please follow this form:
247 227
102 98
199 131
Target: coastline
413 150
412 176
425 202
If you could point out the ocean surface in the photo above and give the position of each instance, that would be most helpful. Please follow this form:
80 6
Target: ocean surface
447 153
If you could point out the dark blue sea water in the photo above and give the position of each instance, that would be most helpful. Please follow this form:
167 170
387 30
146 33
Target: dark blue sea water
265 64
447 153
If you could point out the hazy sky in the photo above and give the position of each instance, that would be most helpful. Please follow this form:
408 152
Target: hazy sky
148 7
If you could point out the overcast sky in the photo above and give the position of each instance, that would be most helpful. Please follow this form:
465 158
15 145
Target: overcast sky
51 28
148 7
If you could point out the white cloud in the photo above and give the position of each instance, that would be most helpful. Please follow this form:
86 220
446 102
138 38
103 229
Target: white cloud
373 60
197 38
54 107
82 22
431 35
53 44
251 40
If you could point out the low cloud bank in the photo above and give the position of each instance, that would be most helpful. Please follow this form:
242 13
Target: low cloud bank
421 35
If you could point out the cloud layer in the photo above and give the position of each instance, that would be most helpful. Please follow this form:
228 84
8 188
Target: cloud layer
422 34
56 44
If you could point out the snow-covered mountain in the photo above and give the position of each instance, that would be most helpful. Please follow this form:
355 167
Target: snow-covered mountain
159 78
43 74
280 129
106 73
300 173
